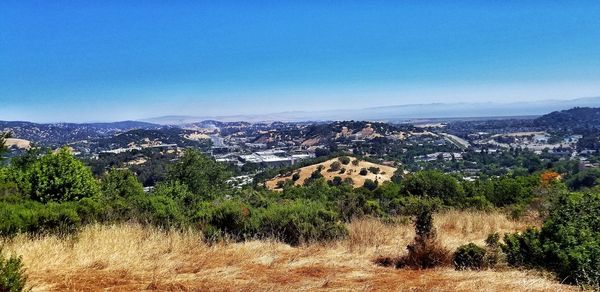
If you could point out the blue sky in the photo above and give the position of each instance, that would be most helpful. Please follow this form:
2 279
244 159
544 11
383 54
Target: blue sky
116 60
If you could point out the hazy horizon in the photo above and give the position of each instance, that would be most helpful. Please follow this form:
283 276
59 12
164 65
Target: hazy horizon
98 61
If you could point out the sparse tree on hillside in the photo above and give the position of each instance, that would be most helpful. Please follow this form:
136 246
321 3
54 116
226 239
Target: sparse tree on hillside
335 166
344 160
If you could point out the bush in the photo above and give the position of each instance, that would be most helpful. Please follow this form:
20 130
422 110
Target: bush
370 184
425 251
524 249
229 217
335 166
60 177
344 160
374 170
434 184
120 183
12 274
469 256
156 210
568 243
296 176
30 216
202 175
299 222
363 171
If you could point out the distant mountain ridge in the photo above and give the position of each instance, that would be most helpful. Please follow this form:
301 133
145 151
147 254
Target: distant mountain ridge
60 133
401 112
578 118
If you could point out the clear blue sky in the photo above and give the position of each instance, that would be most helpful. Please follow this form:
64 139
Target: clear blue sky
114 60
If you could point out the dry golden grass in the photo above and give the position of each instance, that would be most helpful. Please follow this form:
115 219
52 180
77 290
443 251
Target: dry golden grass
130 257
352 171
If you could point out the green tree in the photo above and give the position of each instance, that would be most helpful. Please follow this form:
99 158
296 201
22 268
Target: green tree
434 184
60 177
3 147
202 175
120 183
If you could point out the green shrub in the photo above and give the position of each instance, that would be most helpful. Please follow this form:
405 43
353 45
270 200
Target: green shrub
568 244
201 174
60 177
370 184
434 184
524 249
120 183
298 222
296 176
335 166
30 216
227 217
363 171
156 210
344 160
571 237
469 256
12 274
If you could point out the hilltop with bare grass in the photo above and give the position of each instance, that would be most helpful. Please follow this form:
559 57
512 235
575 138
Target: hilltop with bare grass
348 169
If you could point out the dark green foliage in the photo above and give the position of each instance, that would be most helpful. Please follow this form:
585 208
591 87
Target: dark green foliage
156 210
363 171
3 148
30 216
335 166
299 222
336 181
60 177
314 176
571 237
120 183
12 274
202 175
584 179
469 256
569 242
374 170
370 184
291 222
227 217
424 223
524 249
434 184
296 176
344 160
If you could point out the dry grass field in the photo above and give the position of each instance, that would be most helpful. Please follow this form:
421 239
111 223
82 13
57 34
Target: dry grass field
352 171
18 143
131 257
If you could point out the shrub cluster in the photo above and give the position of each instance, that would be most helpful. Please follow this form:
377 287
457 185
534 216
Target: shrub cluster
568 243
12 274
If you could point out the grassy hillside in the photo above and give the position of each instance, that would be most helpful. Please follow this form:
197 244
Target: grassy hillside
352 171
131 257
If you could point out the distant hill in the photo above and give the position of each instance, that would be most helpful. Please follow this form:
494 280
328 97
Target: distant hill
579 119
402 112
56 134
